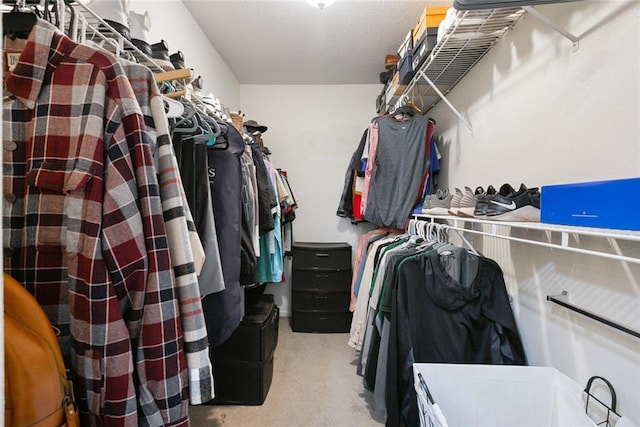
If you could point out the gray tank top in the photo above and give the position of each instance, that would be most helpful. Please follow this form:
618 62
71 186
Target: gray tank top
400 166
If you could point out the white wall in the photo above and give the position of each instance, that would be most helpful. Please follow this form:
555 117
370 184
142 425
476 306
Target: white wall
313 131
542 114
171 21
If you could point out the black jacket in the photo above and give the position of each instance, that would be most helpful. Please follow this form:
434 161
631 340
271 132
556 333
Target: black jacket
437 320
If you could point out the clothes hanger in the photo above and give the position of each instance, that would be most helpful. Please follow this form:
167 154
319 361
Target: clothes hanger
222 142
216 129
173 108
187 119
412 226
410 102
19 22
201 132
404 111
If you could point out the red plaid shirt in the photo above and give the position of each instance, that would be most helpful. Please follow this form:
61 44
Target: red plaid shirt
84 231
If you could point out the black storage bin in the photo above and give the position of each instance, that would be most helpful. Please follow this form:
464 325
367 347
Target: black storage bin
405 69
256 337
424 47
315 279
242 383
322 301
322 322
243 365
329 256
321 287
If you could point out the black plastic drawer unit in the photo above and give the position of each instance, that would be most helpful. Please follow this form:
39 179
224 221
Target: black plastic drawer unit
321 287
243 365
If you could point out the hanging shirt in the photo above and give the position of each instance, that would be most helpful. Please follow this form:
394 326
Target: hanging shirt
372 149
248 261
266 198
427 183
359 262
181 234
83 230
357 331
270 262
192 162
399 170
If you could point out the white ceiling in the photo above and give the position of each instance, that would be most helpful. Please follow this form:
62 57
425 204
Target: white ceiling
291 42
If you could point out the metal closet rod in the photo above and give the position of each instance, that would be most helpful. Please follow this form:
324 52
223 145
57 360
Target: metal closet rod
554 299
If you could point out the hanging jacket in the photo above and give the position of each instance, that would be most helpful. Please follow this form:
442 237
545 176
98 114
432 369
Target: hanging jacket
345 206
442 321
223 310
265 193
248 259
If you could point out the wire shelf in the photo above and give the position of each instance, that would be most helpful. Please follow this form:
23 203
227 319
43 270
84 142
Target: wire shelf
89 26
472 35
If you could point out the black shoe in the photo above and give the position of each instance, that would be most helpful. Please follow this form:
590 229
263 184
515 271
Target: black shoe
483 199
177 59
523 205
160 50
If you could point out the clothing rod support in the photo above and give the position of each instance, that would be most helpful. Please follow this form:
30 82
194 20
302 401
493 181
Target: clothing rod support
549 22
593 316
444 98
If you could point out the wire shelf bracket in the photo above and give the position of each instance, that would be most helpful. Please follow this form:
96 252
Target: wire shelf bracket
446 101
575 42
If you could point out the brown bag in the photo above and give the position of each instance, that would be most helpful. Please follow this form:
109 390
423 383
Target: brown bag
36 389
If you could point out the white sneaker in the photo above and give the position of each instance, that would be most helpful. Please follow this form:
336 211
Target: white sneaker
455 202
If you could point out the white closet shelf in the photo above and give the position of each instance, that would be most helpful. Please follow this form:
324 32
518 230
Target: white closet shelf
612 236
89 26
472 35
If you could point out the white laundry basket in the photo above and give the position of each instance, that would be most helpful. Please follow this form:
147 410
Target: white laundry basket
488 395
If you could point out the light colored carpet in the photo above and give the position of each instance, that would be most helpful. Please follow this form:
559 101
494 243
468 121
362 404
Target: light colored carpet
314 384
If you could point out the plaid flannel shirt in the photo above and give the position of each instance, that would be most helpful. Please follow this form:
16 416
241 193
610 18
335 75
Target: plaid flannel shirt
181 233
84 231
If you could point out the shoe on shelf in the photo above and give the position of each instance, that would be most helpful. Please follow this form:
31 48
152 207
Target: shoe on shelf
438 203
522 205
455 202
483 199
139 25
468 202
426 206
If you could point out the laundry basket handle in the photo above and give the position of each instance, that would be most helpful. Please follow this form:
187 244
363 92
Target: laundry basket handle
612 391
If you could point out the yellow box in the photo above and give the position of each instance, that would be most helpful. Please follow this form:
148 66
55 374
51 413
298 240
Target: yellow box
429 18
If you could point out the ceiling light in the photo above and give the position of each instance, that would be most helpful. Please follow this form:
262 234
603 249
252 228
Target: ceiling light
320 4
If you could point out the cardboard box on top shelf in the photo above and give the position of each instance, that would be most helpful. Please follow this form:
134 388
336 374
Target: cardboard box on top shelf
396 87
430 17
425 45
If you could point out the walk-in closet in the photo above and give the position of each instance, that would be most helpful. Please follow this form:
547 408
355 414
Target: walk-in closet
321 213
